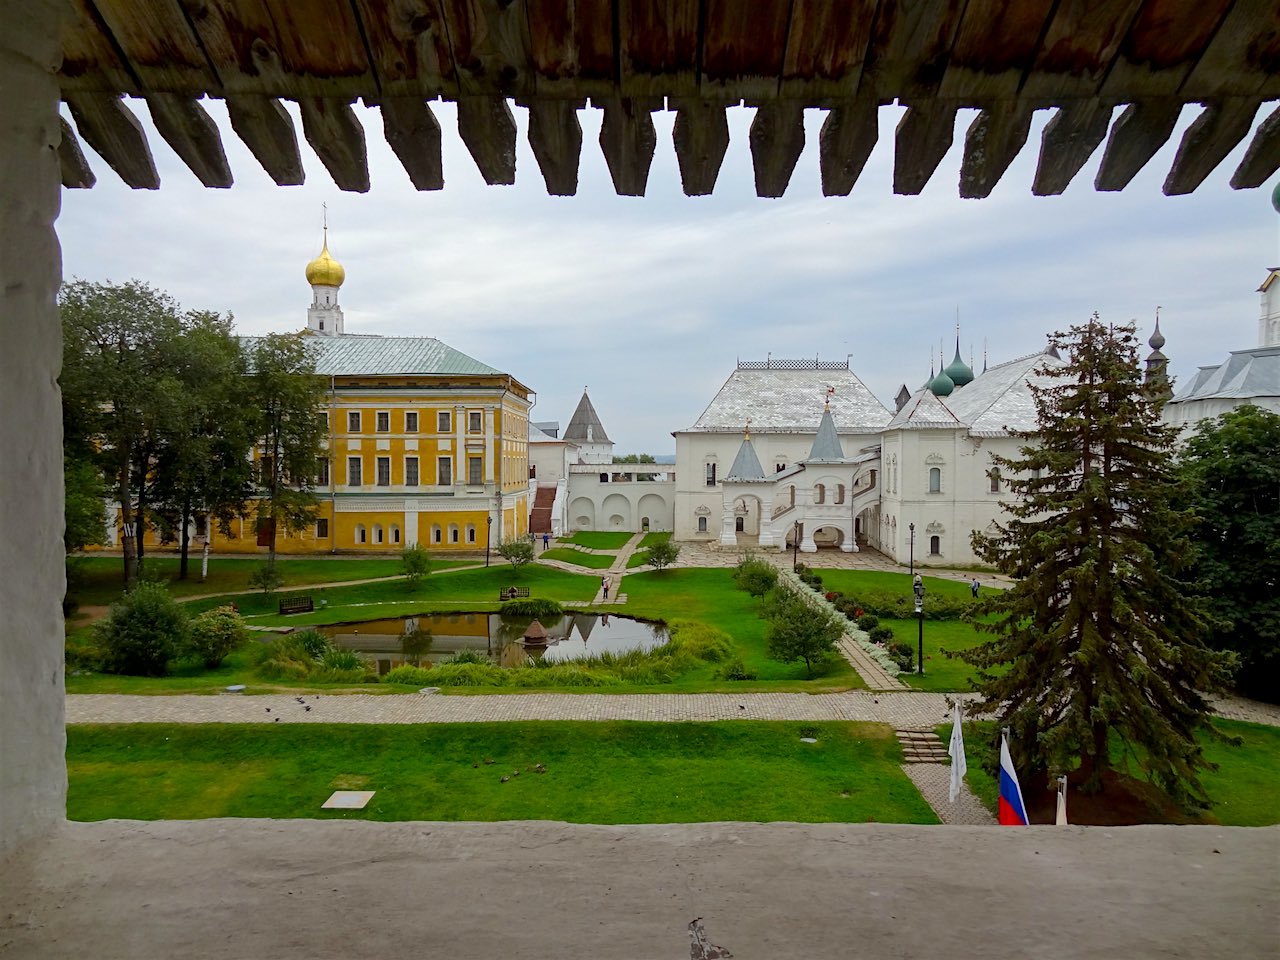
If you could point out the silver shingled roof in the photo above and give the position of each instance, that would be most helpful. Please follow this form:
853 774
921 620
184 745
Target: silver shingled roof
1000 399
1244 375
354 355
790 401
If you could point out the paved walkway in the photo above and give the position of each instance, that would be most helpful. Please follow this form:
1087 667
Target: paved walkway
914 709
933 780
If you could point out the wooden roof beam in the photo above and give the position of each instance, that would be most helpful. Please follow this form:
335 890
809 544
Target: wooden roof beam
266 128
1207 142
1069 140
627 139
1262 158
413 133
488 128
114 132
701 138
1141 130
777 139
923 137
337 137
75 169
996 136
194 136
555 134
848 136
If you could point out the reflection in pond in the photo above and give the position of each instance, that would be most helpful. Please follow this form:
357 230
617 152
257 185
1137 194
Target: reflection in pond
570 637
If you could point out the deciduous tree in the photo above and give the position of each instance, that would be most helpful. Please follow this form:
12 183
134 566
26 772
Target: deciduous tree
795 630
1231 468
1099 643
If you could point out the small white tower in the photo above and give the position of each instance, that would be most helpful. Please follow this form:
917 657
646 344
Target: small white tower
1269 321
325 275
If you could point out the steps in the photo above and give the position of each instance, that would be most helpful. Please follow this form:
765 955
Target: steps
921 745
540 516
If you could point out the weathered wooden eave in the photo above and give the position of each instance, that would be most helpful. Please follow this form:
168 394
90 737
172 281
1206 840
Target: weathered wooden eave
630 58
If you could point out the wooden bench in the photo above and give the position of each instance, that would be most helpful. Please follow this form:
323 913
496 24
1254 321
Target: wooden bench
296 605
511 593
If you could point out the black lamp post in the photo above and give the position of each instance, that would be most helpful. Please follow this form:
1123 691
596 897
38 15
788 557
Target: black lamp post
918 589
795 548
488 537
911 547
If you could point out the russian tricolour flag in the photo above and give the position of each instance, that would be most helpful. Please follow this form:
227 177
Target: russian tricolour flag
1012 811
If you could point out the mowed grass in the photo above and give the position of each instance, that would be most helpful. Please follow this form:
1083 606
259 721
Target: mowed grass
850 582
100 579
599 539
592 561
941 673
708 595
462 590
596 772
1243 788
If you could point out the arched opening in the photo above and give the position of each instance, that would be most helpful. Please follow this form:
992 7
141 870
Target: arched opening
935 479
739 524
360 535
840 493
644 524
702 524
935 546
819 493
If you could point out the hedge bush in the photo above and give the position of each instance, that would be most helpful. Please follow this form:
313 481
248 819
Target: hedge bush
757 577
868 622
143 631
215 633
532 607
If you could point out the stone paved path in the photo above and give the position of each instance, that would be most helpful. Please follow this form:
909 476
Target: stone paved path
933 780
897 709
913 709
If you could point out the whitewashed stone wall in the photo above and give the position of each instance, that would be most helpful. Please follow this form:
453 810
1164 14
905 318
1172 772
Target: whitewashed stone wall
33 782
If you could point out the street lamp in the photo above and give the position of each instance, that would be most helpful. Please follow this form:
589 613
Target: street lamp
918 589
795 548
911 546
488 537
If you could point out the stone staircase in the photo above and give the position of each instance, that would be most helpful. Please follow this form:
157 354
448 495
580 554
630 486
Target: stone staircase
921 745
540 516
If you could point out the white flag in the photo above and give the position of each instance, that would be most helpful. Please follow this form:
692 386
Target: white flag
1061 820
956 750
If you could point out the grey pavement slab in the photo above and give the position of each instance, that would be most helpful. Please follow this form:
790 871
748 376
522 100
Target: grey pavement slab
477 891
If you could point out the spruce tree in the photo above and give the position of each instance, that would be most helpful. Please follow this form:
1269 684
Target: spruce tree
1103 643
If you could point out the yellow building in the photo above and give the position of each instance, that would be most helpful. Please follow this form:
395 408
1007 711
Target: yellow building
425 444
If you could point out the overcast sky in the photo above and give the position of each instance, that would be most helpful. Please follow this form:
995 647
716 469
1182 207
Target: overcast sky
650 301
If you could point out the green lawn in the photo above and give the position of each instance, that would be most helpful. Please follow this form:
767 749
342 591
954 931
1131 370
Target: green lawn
941 673
599 539
596 772
592 561
1243 788
653 538
851 581
637 559
100 578
708 595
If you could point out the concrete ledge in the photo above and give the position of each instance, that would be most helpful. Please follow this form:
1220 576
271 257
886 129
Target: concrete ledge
256 888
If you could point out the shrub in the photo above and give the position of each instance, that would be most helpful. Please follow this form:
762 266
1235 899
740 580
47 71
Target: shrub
516 552
266 578
868 622
833 595
531 607
312 641
797 631
469 656
733 669
698 641
757 577
466 674
412 676
342 660
881 634
144 630
848 606
215 633
415 563
903 606
902 655
662 554
562 675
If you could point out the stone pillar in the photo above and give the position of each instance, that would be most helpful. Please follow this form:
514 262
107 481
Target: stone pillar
728 534
767 538
33 774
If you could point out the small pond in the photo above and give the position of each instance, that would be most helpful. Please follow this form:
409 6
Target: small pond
571 637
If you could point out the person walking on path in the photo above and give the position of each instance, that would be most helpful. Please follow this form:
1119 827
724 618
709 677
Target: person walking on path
546 539
604 585
973 587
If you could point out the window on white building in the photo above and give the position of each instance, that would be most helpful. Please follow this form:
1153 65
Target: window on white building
711 474
819 493
935 479
702 524
994 477
935 546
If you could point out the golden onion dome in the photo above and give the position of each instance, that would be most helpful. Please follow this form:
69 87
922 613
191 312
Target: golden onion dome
324 271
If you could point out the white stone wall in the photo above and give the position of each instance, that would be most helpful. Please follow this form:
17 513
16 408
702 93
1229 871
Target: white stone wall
550 461
624 505
33 780
1269 320
1190 412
